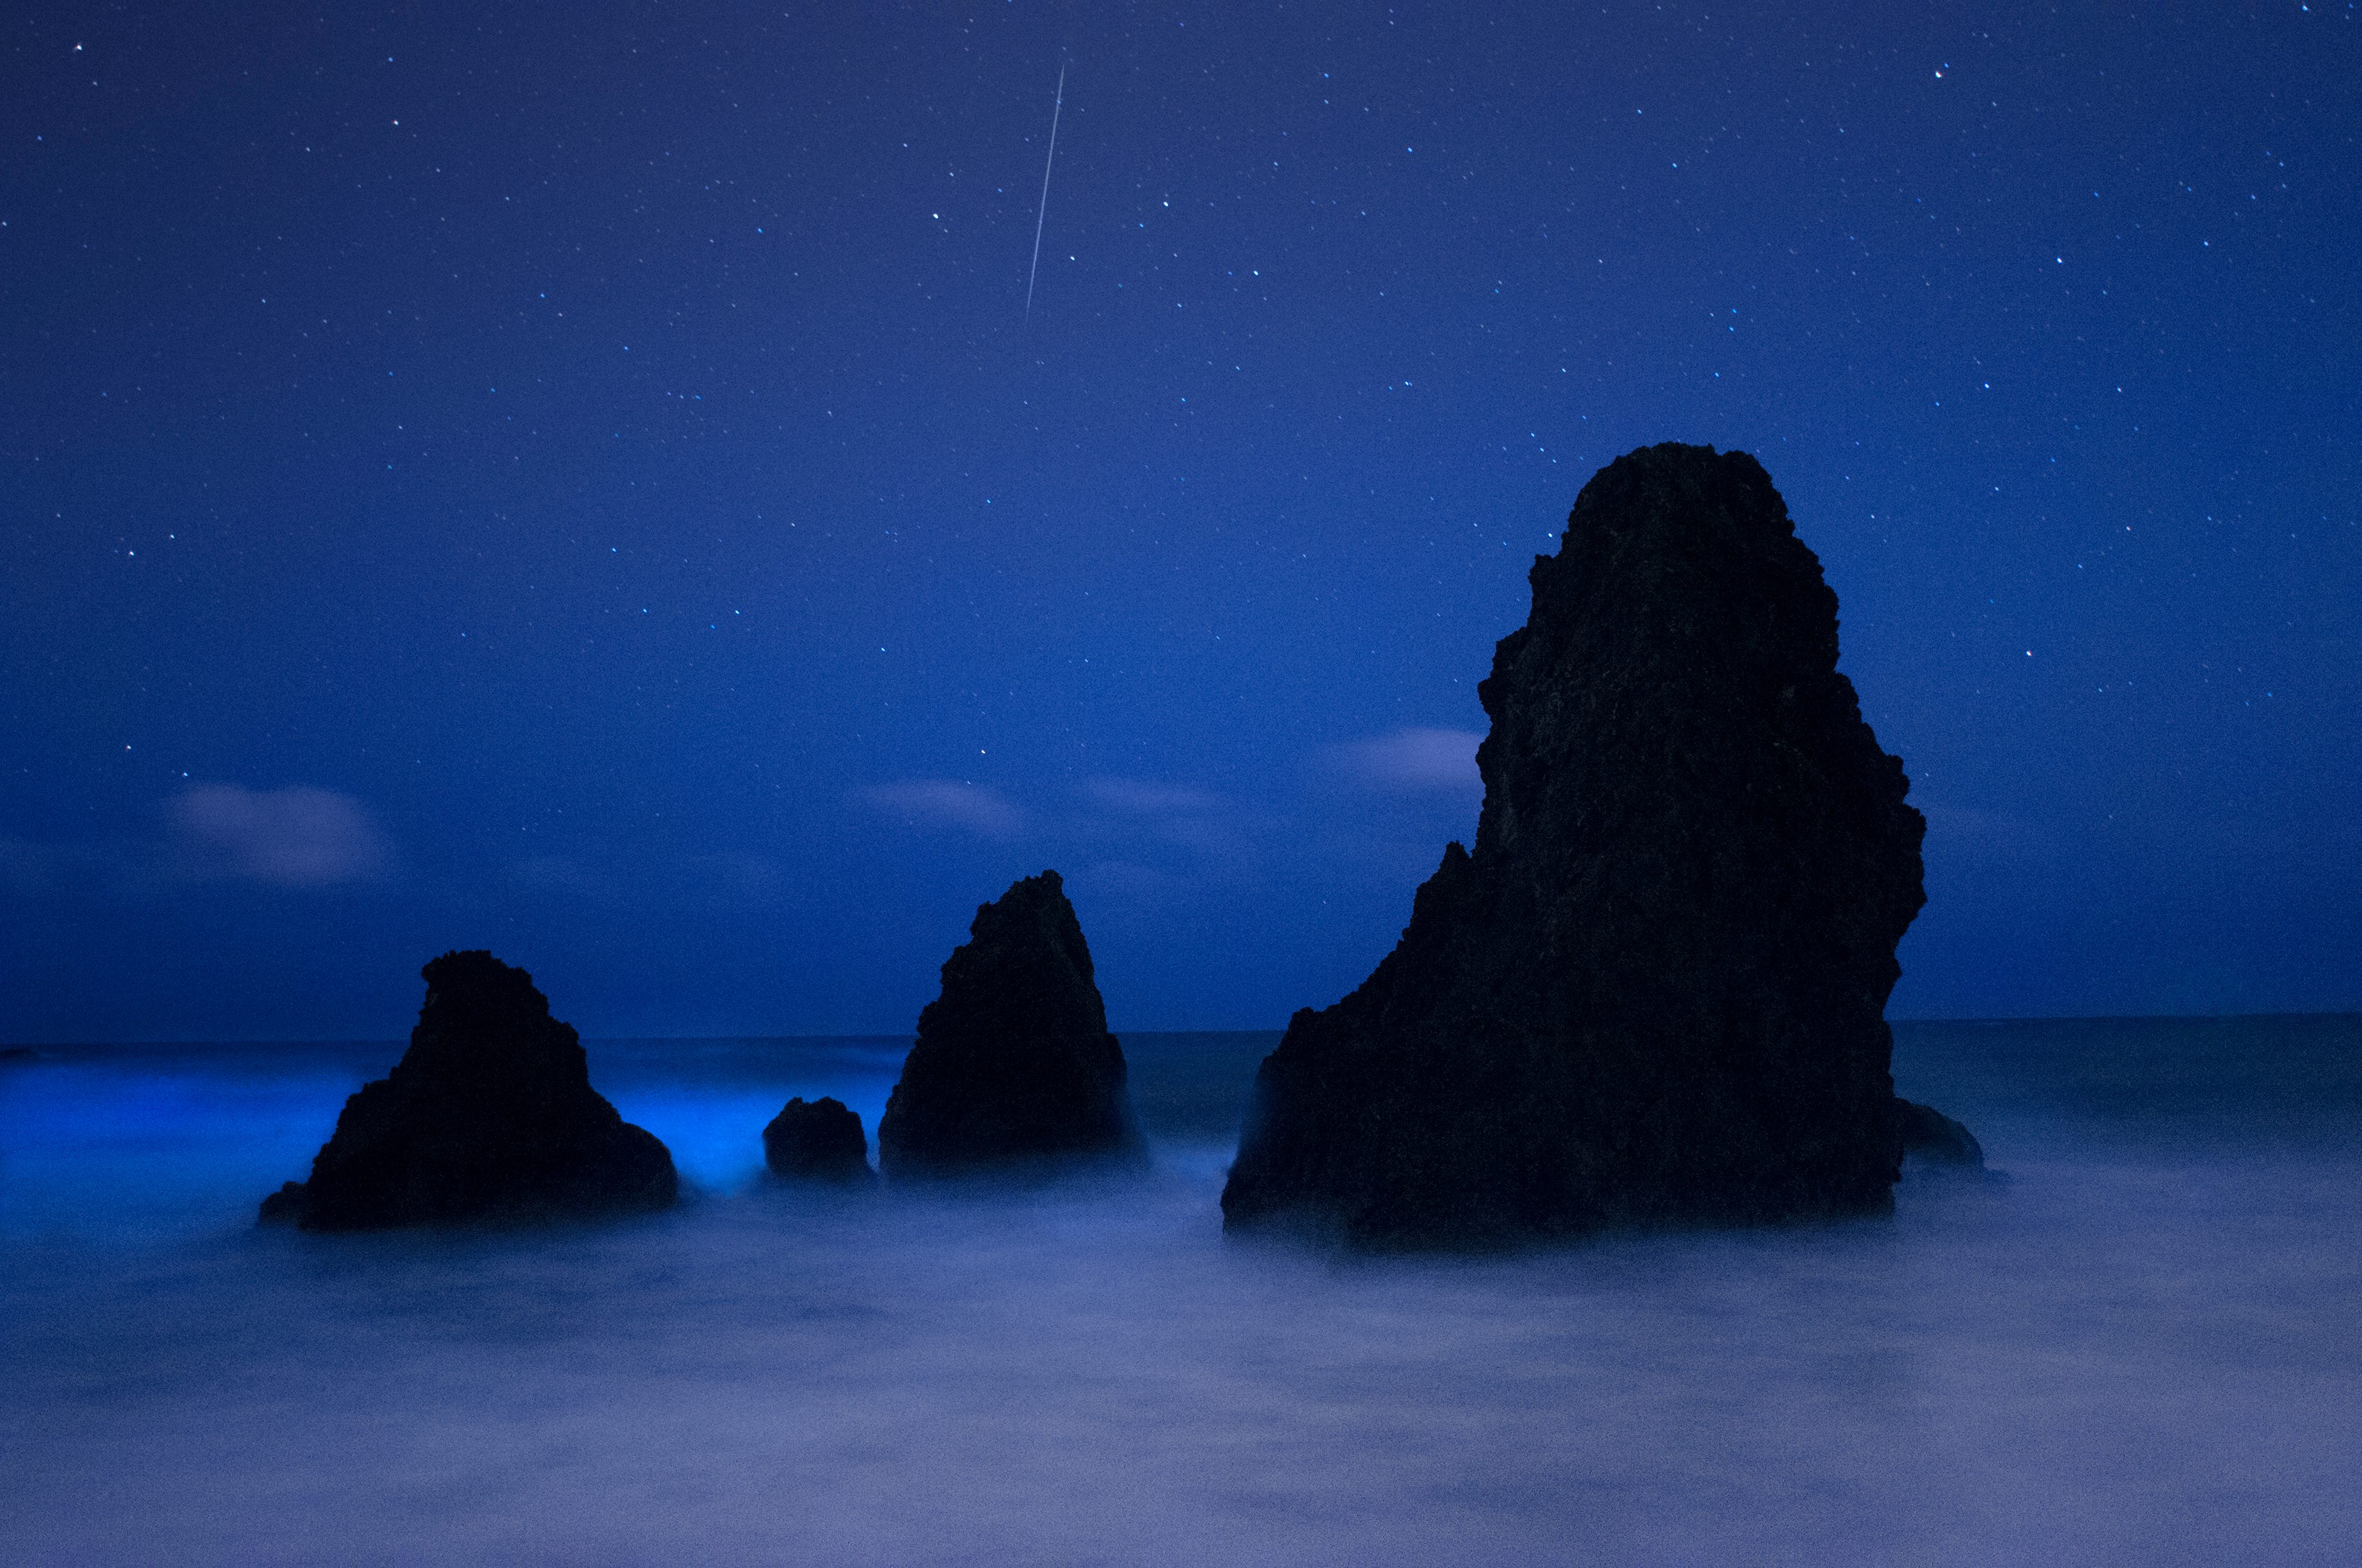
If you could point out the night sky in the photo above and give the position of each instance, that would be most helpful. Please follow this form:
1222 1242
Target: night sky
587 483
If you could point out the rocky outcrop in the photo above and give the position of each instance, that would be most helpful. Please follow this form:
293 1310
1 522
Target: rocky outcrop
1933 1139
1654 992
818 1140
1013 1066
488 1115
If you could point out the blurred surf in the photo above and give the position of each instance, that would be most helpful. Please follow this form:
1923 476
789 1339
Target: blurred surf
2140 1349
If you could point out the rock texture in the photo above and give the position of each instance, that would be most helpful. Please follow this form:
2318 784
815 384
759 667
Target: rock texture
488 1115
1654 993
818 1140
1014 1065
1932 1138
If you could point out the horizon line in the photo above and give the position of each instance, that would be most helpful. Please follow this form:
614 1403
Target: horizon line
1984 1020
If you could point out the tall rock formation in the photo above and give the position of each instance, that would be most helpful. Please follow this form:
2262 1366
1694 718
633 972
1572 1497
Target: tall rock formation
1013 1065
1655 992
488 1115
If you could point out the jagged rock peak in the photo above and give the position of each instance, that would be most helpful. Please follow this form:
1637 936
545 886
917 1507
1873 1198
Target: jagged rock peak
488 1115
1014 1065
1654 992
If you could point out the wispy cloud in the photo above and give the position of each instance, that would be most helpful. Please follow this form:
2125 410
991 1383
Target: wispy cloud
297 837
1416 761
1135 809
940 803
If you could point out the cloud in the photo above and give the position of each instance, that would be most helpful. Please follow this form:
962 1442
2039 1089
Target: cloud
297 837
1416 761
1193 818
940 803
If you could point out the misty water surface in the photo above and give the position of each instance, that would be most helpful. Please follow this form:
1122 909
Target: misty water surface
2141 1348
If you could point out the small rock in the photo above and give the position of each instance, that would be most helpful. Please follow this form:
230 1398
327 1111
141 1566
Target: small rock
818 1140
1930 1138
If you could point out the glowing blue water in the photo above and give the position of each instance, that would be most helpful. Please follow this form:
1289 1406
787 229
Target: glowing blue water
2144 1348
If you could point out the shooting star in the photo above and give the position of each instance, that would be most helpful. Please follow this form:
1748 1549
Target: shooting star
1041 208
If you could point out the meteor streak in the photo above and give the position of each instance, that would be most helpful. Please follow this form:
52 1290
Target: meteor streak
1041 208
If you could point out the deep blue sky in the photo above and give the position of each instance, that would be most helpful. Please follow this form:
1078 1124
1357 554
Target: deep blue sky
585 483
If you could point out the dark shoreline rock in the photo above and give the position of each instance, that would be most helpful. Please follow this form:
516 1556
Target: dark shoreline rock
818 1140
489 1116
1931 1138
1013 1071
1654 994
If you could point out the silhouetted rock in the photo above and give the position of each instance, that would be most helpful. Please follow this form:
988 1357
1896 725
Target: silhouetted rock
1655 992
1930 1138
1014 1065
488 1115
818 1140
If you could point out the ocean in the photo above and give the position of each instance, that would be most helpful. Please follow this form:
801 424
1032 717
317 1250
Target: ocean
2142 1346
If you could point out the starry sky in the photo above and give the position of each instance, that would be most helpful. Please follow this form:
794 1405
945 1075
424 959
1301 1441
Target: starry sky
584 480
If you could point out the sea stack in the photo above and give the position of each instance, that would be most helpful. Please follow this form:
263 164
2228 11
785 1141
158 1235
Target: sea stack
1014 1069
818 1141
489 1116
1655 991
